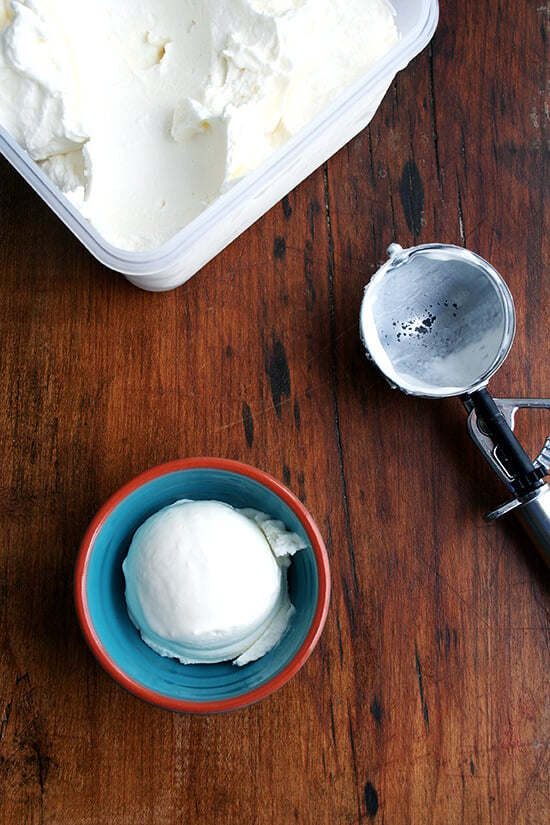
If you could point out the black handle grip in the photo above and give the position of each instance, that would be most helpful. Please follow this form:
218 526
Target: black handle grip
527 476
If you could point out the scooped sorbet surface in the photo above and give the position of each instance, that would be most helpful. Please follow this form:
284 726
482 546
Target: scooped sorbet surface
207 583
144 112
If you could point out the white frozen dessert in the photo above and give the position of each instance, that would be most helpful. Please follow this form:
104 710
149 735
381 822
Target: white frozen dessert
144 112
207 583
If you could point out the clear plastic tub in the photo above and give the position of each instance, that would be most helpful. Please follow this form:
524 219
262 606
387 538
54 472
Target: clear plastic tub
173 263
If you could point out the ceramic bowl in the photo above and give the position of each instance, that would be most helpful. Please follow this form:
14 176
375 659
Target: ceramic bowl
101 607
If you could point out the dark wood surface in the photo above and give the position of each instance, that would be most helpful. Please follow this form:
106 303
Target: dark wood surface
427 699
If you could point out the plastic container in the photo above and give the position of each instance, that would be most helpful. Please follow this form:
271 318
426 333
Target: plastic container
173 263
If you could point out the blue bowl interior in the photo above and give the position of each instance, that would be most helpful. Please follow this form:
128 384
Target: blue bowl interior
107 606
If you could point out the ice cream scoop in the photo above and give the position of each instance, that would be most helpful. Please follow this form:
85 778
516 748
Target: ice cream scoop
439 321
206 582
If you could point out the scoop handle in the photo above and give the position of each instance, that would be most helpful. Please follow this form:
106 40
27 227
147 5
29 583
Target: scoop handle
525 476
491 422
534 515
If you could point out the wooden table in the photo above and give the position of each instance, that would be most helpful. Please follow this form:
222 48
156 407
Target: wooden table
427 699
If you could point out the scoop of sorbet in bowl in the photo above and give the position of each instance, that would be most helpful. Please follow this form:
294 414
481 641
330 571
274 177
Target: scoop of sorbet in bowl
206 582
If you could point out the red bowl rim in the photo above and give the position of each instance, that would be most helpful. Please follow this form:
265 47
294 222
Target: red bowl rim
244 699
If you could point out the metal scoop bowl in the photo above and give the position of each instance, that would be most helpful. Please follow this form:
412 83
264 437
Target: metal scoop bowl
438 321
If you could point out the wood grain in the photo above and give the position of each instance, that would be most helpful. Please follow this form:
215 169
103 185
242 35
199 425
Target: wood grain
427 698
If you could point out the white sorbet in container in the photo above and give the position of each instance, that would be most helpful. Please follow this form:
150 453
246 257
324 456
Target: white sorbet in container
207 583
159 131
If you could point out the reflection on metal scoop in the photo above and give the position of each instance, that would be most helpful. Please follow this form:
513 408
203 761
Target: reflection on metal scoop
439 321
